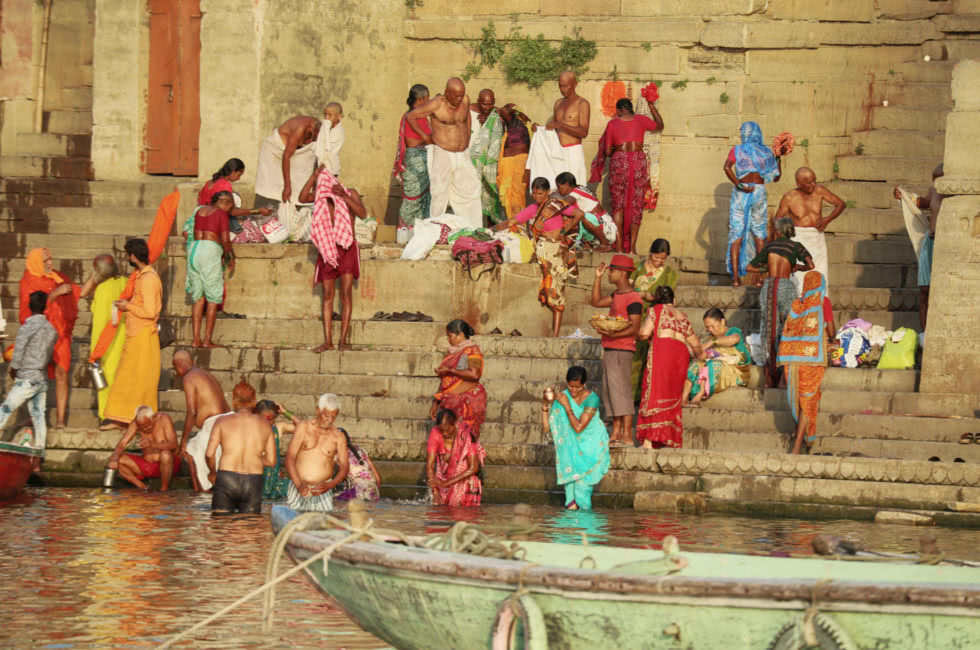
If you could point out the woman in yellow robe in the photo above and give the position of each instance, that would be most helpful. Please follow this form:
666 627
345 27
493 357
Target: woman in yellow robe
109 289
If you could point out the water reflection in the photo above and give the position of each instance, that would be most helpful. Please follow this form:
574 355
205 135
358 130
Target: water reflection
87 569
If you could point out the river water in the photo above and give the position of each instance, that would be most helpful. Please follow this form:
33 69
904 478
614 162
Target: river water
82 568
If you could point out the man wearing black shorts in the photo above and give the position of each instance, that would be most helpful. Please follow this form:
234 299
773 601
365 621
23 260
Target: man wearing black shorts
247 446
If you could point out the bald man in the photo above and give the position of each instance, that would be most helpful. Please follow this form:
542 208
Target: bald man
453 180
286 160
158 442
486 141
205 404
331 138
804 205
558 147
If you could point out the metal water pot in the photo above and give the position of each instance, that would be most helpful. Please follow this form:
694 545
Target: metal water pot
98 376
108 477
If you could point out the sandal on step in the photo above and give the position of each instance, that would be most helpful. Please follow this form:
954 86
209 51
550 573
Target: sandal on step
967 438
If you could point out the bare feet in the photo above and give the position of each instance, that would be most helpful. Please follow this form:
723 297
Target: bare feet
572 506
736 282
196 343
344 346
208 344
323 347
647 444
109 425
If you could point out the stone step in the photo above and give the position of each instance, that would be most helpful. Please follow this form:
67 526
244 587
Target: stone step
882 168
46 192
885 427
947 452
840 399
903 118
77 98
940 72
42 144
867 194
78 247
870 221
928 95
70 121
46 167
890 142
107 220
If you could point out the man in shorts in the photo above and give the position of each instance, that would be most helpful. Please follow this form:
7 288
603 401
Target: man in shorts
158 441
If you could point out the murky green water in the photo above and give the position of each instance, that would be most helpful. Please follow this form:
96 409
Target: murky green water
84 569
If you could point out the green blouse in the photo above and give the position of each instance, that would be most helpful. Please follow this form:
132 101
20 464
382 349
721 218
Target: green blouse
644 282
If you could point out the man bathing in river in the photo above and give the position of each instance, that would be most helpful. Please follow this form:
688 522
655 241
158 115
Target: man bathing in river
453 180
158 441
316 447
205 404
247 448
804 205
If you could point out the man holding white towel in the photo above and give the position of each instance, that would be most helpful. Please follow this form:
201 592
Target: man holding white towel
558 147
286 160
804 205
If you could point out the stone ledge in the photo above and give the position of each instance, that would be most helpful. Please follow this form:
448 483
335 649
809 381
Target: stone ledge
605 30
953 185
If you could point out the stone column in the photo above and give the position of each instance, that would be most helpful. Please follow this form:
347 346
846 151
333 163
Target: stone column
952 346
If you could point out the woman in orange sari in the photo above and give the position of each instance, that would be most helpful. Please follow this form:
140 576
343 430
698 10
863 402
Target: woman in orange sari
459 379
453 461
659 421
803 354
61 312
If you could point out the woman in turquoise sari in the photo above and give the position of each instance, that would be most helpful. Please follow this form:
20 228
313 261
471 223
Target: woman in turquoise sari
275 481
581 439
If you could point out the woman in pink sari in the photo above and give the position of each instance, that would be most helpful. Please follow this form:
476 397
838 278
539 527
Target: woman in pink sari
659 421
453 460
459 375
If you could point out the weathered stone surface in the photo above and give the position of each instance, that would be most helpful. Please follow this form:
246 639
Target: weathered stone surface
858 10
893 32
439 8
964 86
968 23
605 31
669 502
762 34
826 63
682 8
912 9
892 517
962 126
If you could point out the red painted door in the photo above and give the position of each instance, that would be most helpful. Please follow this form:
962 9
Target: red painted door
173 112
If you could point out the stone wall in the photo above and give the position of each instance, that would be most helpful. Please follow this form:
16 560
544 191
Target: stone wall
952 348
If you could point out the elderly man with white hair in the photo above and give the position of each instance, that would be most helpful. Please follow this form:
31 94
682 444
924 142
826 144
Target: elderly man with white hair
316 448
158 441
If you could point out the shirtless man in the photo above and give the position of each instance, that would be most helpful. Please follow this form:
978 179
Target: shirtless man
316 447
205 403
247 447
453 179
804 205
286 155
551 156
158 441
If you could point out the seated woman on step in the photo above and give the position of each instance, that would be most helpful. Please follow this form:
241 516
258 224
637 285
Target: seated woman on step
581 439
221 181
453 461
728 361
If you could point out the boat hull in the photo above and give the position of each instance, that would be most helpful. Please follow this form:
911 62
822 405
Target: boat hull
422 609
15 468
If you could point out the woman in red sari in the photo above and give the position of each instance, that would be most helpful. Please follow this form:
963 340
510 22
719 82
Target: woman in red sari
61 312
453 461
659 422
459 379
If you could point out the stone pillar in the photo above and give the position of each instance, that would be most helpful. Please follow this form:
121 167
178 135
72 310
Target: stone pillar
952 346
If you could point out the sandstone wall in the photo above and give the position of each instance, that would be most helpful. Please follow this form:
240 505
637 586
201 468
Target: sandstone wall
952 351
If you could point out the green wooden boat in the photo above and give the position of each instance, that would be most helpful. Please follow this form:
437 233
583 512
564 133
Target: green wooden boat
592 597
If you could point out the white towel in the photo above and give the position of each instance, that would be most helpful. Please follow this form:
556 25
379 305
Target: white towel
916 221
197 447
328 144
268 175
547 158
816 243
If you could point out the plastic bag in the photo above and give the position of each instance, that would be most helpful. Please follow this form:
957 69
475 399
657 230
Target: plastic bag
899 350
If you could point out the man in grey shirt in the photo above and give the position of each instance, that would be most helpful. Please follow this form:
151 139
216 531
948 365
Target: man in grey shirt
29 369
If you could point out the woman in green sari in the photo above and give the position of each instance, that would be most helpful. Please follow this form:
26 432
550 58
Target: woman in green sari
275 480
580 437
728 360
653 273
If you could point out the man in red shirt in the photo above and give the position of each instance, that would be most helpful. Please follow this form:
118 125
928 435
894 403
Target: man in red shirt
618 346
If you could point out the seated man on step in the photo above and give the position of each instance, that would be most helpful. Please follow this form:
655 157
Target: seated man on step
158 441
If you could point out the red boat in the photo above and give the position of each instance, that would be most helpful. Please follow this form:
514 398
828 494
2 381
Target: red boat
15 468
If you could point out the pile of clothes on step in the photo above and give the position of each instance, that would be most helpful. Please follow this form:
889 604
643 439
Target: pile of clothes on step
446 229
862 344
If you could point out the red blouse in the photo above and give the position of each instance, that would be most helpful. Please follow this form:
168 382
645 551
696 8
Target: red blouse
211 188
215 221
622 131
421 124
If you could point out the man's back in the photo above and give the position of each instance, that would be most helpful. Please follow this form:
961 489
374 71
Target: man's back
243 437
204 392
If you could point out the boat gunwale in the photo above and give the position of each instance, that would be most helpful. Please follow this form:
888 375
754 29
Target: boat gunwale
516 573
18 450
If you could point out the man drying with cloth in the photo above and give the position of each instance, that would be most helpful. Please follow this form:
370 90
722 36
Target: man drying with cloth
286 160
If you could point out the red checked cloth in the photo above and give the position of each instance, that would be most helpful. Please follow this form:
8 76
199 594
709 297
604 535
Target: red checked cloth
326 235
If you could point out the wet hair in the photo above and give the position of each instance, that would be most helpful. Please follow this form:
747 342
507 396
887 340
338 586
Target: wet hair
445 413
785 228
416 91
624 104
264 405
663 295
577 373
223 194
231 166
714 313
459 326
660 245
243 393
38 301
566 178
354 449
138 248
540 183
143 411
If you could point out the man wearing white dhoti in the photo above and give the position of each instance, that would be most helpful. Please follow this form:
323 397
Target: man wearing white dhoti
286 160
804 205
331 138
558 147
453 180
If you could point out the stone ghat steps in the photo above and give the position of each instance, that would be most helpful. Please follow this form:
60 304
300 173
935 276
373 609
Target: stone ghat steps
920 94
873 167
54 144
885 142
53 192
39 166
68 121
864 195
107 220
925 120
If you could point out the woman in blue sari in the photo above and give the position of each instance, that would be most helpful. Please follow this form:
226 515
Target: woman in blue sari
580 437
749 167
